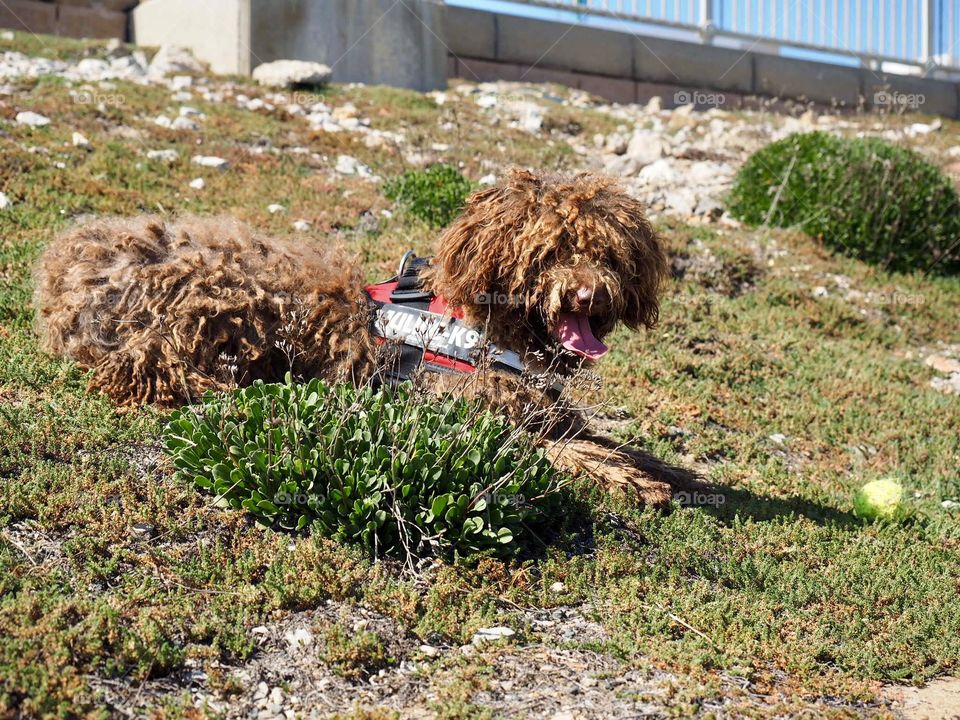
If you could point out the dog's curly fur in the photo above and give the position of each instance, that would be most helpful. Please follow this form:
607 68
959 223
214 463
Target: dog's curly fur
158 310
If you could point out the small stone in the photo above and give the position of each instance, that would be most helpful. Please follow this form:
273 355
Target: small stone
162 121
778 438
950 504
276 697
79 140
820 292
5 201
273 208
261 630
489 179
6 35
210 161
301 225
182 123
299 638
167 156
558 587
28 117
144 529
347 165
173 59
197 183
491 634
181 82
430 650
943 364
188 111
291 73
262 691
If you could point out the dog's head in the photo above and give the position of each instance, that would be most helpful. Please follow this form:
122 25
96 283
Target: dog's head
559 257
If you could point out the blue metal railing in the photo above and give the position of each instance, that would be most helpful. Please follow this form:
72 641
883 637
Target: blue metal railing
923 33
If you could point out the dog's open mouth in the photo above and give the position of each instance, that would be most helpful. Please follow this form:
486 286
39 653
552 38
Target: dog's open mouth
575 334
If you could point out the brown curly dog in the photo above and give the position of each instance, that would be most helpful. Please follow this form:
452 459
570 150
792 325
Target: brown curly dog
546 266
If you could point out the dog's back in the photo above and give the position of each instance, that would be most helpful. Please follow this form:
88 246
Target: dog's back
165 311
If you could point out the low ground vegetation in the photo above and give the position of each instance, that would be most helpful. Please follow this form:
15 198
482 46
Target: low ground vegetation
126 587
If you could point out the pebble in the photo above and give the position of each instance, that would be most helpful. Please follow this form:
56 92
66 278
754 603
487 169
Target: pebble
28 117
167 156
79 140
291 73
347 165
491 634
558 587
5 201
301 225
197 183
274 208
943 364
210 161
430 650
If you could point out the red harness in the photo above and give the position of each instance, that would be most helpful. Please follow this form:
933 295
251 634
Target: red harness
381 294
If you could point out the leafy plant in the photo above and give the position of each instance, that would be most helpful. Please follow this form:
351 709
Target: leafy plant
435 195
865 197
393 472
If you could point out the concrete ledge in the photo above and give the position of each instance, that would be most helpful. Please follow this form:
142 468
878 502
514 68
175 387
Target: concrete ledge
471 33
29 16
563 47
696 66
820 82
91 22
899 93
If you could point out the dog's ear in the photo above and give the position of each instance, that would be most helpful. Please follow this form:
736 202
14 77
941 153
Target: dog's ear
474 252
641 263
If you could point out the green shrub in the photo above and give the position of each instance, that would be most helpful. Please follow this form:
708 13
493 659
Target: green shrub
396 473
435 195
867 198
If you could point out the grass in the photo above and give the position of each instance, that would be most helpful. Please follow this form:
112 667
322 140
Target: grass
110 568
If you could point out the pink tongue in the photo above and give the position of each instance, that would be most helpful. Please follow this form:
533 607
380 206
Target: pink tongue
575 334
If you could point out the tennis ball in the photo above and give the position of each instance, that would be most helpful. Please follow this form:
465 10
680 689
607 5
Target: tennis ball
879 499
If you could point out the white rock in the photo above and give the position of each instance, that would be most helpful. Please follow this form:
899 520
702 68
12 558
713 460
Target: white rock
288 73
645 147
181 82
942 364
167 156
210 161
197 183
820 292
778 438
347 165
660 173
490 634
430 650
949 385
5 201
489 179
79 140
173 59
187 111
301 225
7 35
299 638
274 208
558 587
182 123
162 121
28 117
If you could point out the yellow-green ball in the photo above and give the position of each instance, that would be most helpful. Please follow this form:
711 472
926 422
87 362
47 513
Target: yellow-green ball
879 499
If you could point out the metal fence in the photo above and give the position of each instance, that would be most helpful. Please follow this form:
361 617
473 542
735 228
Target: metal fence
924 33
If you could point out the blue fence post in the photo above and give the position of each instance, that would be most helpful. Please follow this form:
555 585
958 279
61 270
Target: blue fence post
707 26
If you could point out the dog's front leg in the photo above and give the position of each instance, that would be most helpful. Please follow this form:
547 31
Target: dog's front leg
613 469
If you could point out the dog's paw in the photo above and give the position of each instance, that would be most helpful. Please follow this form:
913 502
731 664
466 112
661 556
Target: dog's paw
611 469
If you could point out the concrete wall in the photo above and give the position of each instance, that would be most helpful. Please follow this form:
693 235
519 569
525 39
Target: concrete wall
370 41
218 31
627 68
70 18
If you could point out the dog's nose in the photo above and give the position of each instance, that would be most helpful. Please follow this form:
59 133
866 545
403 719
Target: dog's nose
584 294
